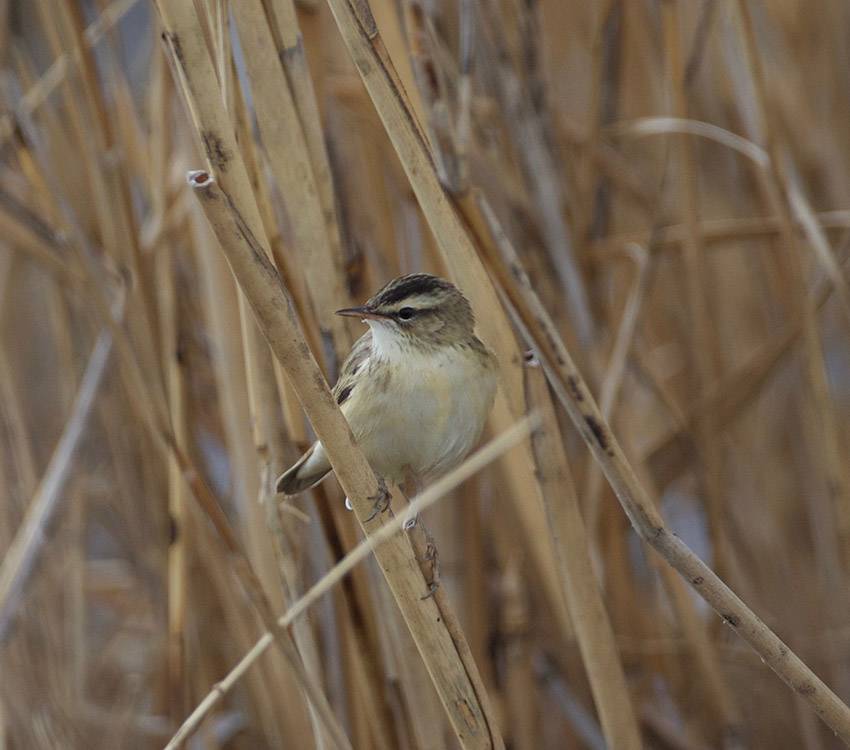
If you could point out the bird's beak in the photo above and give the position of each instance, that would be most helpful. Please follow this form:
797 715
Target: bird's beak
364 313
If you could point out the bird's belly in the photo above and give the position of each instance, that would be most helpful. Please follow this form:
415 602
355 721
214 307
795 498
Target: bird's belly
428 418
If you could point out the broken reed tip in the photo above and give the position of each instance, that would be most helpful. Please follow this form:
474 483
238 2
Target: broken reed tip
199 178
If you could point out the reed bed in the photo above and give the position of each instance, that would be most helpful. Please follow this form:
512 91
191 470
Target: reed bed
648 205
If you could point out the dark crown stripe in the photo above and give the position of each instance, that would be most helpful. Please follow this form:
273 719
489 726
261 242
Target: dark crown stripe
407 286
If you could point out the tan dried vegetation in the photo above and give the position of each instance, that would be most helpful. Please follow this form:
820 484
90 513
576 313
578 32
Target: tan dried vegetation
648 205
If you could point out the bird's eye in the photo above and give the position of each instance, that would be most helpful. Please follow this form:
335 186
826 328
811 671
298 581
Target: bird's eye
406 313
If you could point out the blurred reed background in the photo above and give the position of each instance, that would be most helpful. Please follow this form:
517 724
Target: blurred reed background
674 178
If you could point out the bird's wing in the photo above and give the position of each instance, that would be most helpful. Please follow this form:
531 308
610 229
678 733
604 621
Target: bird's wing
314 465
353 362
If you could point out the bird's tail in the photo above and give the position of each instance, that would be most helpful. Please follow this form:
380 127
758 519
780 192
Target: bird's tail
307 472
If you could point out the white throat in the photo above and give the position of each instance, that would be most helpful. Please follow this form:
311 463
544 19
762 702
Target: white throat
387 343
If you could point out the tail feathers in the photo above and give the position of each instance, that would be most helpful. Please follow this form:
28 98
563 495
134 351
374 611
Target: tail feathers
307 472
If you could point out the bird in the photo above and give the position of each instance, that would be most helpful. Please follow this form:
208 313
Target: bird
416 388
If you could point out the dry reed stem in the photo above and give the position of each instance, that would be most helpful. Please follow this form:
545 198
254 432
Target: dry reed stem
253 350
803 215
289 157
830 513
149 402
710 464
619 730
528 128
431 83
423 548
839 479
613 378
369 619
735 391
290 47
721 713
457 251
85 662
285 543
593 629
185 38
519 678
363 43
826 436
11 407
262 286
249 580
177 573
714 232
26 233
41 90
233 379
24 549
93 125
184 35
372 544
412 701
292 412
366 48
789 199
576 397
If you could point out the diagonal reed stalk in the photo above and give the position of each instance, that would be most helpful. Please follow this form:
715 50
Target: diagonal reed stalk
524 150
370 545
264 291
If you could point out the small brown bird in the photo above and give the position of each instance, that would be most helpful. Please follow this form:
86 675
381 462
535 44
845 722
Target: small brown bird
416 388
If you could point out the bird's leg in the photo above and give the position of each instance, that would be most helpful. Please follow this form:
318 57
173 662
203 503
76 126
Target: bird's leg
382 498
420 537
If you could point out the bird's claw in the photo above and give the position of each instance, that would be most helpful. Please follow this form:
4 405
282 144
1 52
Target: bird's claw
381 499
434 583
430 556
432 588
430 553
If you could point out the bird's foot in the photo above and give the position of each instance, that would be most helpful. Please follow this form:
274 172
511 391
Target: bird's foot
426 552
434 583
381 499
422 541
430 552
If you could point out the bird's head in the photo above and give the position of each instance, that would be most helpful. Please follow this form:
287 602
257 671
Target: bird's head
419 309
